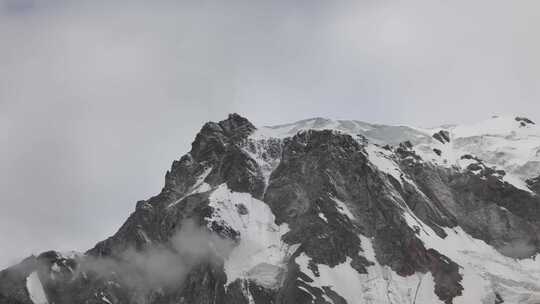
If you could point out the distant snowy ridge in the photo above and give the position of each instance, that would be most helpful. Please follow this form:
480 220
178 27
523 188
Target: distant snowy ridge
510 142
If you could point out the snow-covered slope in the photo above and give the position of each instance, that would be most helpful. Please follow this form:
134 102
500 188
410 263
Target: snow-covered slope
376 133
511 143
261 255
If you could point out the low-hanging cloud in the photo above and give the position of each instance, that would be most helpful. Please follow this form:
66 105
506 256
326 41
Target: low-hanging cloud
160 265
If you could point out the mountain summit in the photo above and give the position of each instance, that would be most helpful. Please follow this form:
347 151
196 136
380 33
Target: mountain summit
320 211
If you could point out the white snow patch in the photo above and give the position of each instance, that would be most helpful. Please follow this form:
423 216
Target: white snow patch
199 187
55 267
381 158
323 217
35 289
203 187
342 208
517 182
260 255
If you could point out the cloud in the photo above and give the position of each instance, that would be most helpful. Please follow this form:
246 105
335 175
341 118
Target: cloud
163 265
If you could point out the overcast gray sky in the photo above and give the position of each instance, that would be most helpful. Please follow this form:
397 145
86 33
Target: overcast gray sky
98 97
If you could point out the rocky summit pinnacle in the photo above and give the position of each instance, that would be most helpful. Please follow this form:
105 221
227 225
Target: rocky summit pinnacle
320 211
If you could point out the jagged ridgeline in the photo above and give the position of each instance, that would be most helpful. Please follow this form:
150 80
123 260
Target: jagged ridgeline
320 211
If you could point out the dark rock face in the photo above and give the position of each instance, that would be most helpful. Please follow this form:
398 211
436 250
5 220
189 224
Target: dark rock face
534 184
307 181
216 146
524 121
443 136
483 205
303 186
13 282
318 166
498 299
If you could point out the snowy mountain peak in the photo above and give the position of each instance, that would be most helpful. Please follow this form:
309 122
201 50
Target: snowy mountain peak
319 211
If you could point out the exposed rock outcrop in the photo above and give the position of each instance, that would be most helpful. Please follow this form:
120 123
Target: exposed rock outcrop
443 136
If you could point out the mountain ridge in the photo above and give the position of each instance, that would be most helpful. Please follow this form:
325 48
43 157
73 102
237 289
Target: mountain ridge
297 214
